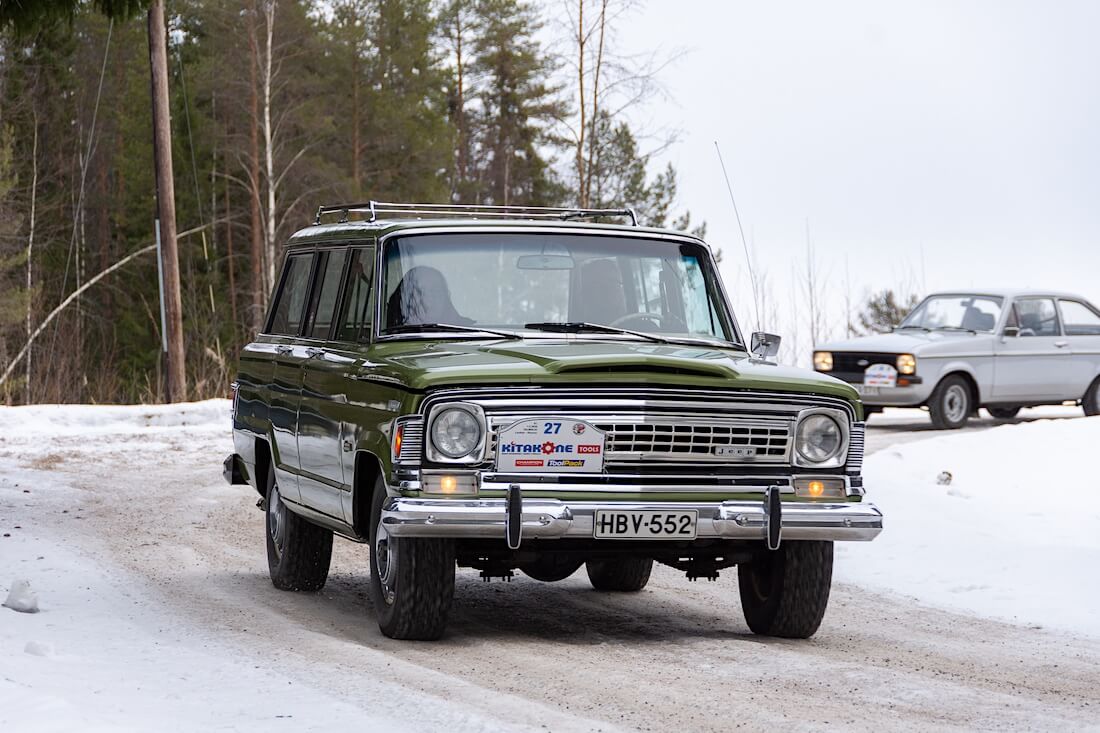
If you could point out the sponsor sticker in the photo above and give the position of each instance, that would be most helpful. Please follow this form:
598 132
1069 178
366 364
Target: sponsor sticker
553 443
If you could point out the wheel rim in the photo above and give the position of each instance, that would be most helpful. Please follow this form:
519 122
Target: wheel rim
955 403
276 519
385 562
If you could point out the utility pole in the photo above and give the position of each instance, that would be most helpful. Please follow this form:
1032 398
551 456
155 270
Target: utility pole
171 302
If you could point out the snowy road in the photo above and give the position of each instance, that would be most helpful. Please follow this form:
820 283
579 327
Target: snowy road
157 610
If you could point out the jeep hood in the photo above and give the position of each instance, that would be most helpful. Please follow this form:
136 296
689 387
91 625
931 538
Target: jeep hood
421 365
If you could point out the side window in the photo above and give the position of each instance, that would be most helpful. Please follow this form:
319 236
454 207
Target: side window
1080 319
1037 317
324 298
355 320
286 316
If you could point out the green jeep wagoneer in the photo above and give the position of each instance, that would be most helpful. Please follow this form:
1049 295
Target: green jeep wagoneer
507 388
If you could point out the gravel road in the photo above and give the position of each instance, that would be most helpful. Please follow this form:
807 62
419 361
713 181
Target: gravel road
528 655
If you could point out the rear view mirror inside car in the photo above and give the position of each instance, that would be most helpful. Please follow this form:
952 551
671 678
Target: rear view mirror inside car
545 262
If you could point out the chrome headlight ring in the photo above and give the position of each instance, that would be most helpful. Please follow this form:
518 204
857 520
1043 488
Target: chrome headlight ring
465 427
814 419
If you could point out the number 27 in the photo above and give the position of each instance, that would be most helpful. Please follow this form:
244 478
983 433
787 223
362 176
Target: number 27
551 428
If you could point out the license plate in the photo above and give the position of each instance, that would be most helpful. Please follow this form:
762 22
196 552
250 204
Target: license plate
866 391
550 445
644 525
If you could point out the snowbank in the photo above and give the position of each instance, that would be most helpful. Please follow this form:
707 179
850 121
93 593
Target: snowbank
1014 536
74 420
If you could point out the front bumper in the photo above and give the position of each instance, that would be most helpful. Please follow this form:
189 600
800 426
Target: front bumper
553 519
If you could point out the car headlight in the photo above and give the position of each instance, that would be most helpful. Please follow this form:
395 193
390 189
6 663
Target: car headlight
907 364
456 432
819 439
823 361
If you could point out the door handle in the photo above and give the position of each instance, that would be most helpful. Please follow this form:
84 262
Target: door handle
1061 344
284 350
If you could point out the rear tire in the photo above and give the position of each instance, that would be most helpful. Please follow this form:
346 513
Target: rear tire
412 579
951 403
1091 402
1004 413
785 592
298 552
622 574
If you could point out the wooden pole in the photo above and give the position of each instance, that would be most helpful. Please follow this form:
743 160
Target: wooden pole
166 205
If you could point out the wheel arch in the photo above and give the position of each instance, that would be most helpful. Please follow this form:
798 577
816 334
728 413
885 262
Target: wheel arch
967 374
263 464
368 469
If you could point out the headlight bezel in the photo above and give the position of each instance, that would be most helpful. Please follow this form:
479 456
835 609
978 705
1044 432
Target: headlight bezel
837 459
435 455
823 361
910 364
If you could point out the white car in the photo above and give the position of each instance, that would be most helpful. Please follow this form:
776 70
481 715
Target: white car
959 351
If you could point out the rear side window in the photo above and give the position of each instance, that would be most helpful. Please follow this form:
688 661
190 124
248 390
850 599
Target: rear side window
328 289
290 304
1079 319
355 321
1037 317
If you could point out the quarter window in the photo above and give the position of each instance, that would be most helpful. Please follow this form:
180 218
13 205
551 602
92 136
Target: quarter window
286 316
354 324
1037 317
1079 319
328 287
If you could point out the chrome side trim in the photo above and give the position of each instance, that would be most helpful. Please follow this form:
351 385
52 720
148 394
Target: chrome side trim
551 519
856 441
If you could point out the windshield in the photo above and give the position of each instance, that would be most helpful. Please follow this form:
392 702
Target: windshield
956 312
552 283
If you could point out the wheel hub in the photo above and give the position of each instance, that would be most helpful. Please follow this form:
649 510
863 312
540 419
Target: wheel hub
955 403
385 561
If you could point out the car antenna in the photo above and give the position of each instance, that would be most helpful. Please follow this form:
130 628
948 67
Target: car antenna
744 242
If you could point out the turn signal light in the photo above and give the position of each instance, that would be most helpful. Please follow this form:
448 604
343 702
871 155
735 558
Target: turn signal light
397 436
819 488
448 484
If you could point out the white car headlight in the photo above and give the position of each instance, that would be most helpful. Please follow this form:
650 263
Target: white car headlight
456 432
819 439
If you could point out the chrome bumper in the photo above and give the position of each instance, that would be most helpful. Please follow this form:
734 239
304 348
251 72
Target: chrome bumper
552 519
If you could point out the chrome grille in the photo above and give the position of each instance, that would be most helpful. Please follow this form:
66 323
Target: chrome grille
854 462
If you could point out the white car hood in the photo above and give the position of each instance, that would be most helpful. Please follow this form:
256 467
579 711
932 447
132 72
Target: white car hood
909 341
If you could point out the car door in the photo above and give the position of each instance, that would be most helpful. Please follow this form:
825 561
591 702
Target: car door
1081 324
1034 365
322 475
287 354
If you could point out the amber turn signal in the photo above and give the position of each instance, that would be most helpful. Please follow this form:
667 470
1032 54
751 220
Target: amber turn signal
820 488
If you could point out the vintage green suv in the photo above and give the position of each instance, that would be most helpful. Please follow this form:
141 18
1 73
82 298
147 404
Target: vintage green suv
506 388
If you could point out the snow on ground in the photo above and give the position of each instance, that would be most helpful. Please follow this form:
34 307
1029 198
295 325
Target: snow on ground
1014 536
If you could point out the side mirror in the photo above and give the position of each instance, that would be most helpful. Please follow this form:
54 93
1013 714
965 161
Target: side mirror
765 345
1011 332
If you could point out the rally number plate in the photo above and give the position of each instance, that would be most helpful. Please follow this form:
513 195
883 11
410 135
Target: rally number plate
550 445
610 524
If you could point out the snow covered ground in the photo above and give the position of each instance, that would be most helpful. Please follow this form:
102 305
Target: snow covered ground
1015 535
156 612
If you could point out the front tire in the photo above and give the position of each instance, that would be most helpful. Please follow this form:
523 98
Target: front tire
298 552
622 574
1003 413
412 579
951 403
784 592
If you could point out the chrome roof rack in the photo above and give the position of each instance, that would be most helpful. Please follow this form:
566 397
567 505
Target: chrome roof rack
444 211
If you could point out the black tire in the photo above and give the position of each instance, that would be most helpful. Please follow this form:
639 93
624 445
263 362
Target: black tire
951 403
551 568
1004 413
1091 401
621 574
412 579
298 552
785 592
868 410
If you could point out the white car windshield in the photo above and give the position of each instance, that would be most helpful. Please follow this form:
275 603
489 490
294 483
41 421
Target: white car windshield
955 313
535 283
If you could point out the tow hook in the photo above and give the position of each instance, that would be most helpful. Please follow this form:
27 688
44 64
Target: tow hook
773 514
513 519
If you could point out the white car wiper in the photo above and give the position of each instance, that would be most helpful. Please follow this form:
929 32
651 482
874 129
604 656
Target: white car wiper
923 328
955 328
421 327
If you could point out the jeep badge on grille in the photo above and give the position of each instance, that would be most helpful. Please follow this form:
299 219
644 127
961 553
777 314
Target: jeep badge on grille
735 451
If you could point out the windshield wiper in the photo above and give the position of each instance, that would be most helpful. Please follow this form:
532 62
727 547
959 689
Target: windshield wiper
955 328
923 328
579 326
421 327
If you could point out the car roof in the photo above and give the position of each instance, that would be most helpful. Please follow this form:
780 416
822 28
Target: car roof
1012 293
352 230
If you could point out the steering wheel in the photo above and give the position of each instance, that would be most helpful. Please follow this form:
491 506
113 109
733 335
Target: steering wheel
655 318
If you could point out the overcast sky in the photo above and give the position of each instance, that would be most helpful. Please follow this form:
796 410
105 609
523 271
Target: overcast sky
965 129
